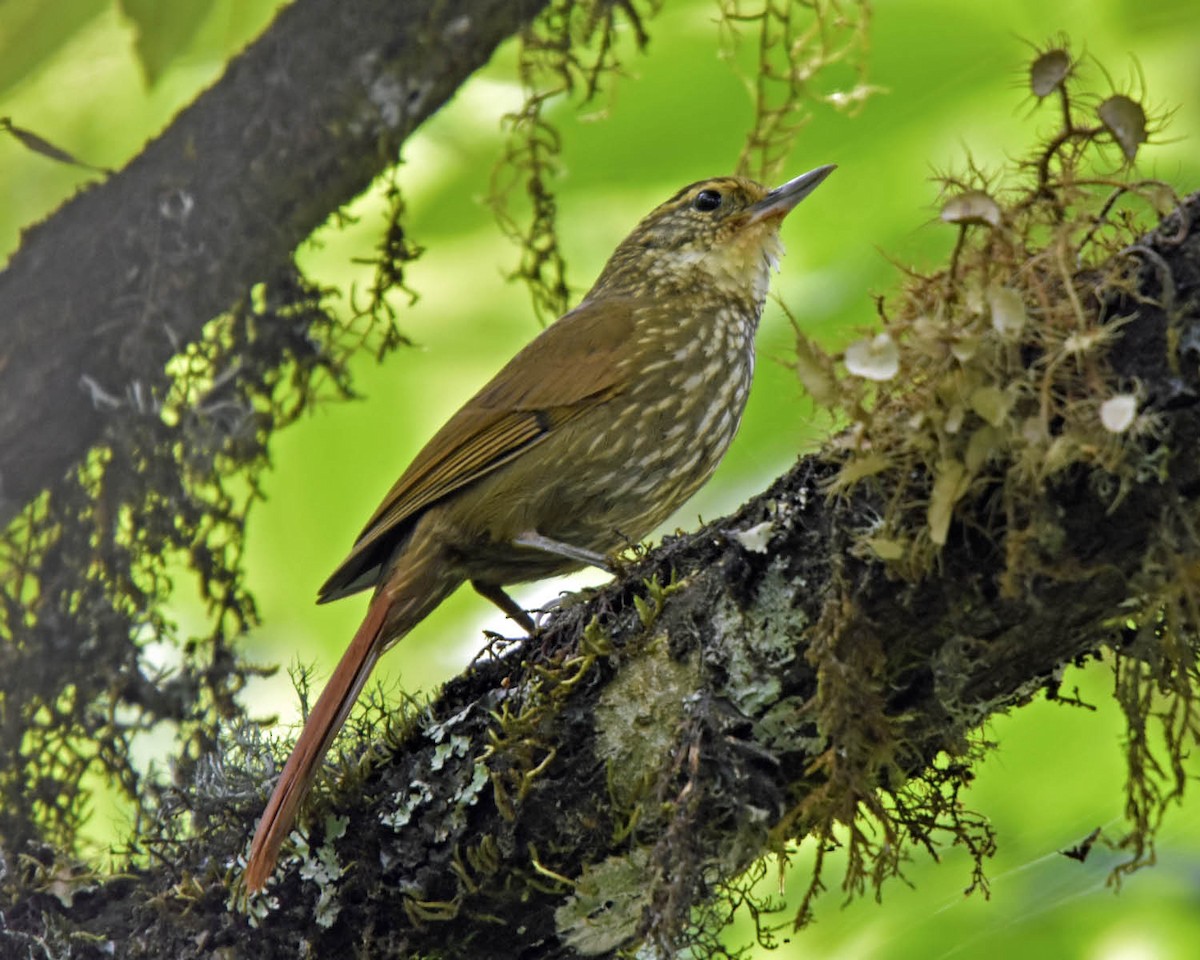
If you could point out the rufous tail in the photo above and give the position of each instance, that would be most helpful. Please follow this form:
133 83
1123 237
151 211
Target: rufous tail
394 610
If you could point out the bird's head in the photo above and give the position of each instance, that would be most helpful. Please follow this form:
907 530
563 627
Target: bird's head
722 232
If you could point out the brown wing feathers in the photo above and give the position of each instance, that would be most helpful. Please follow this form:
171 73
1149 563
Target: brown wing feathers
500 422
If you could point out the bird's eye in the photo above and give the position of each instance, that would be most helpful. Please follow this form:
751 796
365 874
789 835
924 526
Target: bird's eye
707 200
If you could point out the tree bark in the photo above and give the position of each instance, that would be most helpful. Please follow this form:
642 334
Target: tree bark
591 785
101 294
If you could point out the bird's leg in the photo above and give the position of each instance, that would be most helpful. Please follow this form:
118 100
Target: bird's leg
535 541
506 603
531 538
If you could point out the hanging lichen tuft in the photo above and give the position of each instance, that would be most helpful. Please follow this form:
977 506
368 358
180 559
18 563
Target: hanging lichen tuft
90 659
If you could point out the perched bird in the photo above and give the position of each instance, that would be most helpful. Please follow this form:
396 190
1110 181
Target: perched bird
585 441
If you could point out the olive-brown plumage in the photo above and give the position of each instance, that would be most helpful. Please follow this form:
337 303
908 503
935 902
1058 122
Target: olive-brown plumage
585 441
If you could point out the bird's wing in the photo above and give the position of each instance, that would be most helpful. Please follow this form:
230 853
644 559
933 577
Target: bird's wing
570 367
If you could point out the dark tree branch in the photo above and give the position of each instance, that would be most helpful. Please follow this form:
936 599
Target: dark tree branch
594 784
105 291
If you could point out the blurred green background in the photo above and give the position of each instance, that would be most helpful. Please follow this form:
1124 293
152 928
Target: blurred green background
74 71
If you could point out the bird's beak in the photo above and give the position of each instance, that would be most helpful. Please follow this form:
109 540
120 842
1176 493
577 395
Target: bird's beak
780 201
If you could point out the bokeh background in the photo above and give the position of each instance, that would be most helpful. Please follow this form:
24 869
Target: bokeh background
951 78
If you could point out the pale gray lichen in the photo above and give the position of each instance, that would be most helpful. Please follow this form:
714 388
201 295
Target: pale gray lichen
638 715
419 793
952 678
456 820
322 867
470 793
754 658
456 746
437 730
608 904
777 728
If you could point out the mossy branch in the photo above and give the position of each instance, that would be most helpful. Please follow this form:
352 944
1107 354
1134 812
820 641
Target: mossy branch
156 332
105 291
586 790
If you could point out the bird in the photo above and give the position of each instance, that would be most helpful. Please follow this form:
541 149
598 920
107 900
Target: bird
586 440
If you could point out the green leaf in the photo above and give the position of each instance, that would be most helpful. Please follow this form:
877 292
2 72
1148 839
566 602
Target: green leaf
32 33
164 30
